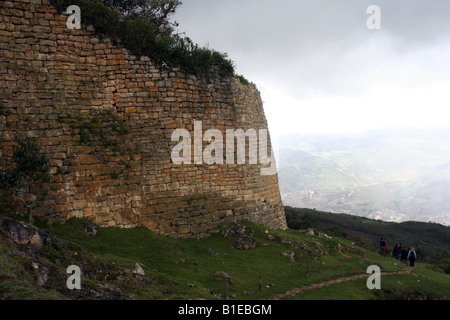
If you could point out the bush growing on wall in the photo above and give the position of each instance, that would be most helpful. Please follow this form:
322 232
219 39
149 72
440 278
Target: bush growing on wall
29 176
143 27
158 11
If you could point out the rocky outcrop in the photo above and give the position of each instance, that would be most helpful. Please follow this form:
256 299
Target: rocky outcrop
46 260
245 239
245 243
23 234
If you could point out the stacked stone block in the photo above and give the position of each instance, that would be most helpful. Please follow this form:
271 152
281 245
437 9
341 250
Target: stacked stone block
105 119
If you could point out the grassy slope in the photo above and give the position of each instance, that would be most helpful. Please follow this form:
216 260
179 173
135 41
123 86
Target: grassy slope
421 283
175 264
16 280
431 241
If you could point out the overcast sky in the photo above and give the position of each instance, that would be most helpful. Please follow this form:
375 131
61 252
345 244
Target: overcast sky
321 70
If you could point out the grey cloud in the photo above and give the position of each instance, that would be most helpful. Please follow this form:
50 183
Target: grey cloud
322 46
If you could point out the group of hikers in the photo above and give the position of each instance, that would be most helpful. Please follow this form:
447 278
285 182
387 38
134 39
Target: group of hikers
400 253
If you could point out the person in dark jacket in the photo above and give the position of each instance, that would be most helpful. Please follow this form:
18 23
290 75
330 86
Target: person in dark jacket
412 256
404 256
396 252
383 247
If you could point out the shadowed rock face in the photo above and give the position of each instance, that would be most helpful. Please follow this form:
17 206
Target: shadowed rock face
23 234
105 118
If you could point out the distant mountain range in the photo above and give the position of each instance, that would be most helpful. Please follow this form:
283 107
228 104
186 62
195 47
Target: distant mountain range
398 174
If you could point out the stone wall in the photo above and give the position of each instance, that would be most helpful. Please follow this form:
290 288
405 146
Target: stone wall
105 119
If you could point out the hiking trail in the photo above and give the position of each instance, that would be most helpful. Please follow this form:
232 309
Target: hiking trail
297 291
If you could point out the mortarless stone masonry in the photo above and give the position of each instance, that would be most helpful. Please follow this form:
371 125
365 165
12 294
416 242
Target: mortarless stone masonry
105 119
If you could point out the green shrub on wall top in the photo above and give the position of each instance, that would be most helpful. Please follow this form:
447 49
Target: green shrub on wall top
143 27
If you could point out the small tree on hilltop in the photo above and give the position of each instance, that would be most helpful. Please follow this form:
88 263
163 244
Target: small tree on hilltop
29 177
158 11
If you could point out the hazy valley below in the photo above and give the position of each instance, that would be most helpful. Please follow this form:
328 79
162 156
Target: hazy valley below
394 175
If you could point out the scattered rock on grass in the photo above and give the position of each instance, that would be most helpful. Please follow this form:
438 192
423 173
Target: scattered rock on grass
236 228
143 281
290 255
245 243
211 251
41 273
90 229
222 275
138 270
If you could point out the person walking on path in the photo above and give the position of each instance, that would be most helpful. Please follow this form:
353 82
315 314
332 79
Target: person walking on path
383 245
396 252
404 256
412 256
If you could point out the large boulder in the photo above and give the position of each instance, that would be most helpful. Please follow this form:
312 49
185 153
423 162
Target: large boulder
241 229
245 234
23 234
245 243
236 229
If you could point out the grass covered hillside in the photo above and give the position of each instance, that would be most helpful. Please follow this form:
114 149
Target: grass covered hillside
262 264
431 240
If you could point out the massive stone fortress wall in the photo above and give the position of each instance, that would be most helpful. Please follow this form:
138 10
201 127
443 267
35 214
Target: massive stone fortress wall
105 119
